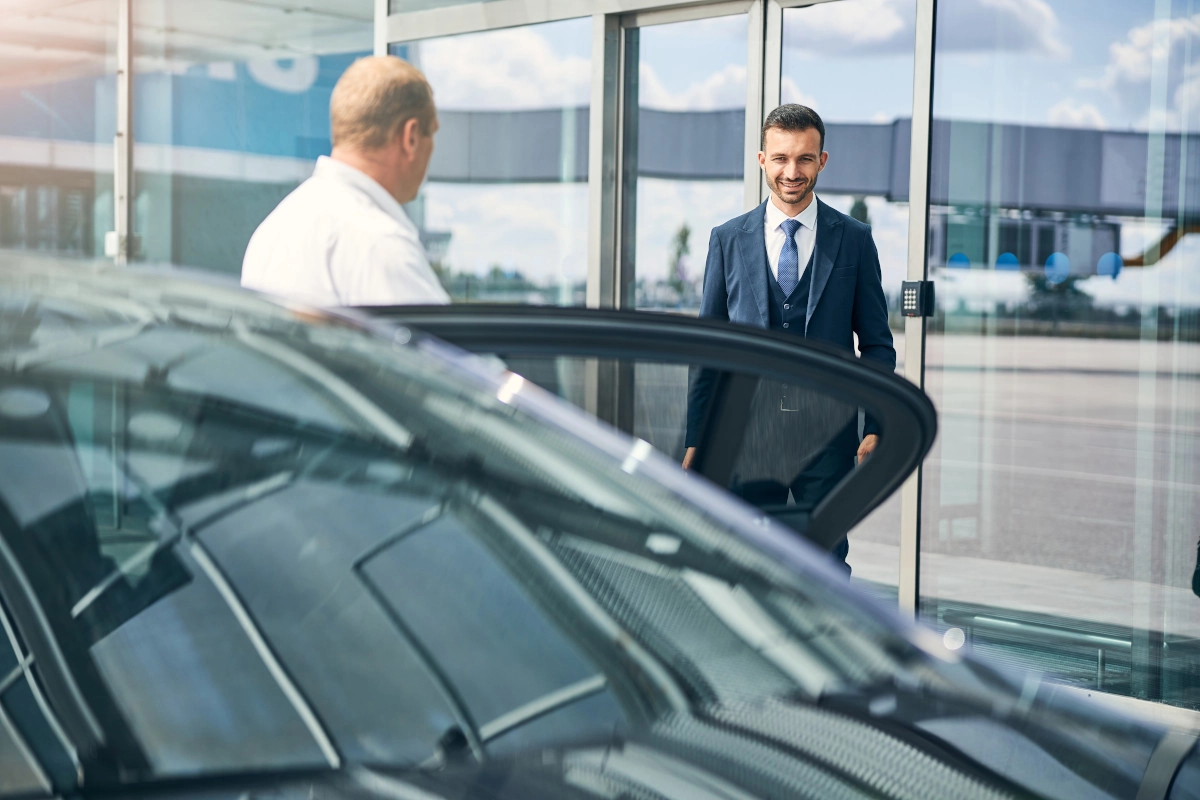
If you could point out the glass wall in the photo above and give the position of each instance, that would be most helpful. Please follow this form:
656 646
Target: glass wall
1060 505
684 152
226 124
57 123
505 207
852 62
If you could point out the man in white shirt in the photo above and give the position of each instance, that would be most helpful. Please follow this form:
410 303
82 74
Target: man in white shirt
341 238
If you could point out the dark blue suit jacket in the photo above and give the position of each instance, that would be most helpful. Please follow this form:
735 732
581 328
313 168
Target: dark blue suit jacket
845 292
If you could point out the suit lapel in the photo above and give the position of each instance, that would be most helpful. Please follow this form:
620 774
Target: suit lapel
829 239
753 248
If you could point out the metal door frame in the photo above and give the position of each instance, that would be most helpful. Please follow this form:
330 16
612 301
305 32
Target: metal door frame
609 157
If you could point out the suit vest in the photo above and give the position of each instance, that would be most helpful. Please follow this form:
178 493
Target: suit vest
788 313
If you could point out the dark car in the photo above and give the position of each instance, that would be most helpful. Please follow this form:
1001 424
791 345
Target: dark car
252 550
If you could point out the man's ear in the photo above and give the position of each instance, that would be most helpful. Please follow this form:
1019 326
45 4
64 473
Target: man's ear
408 134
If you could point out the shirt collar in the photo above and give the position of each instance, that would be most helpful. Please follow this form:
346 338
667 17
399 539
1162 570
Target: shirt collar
339 171
807 217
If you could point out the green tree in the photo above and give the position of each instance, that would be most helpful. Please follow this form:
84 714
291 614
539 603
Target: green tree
859 210
1057 301
680 247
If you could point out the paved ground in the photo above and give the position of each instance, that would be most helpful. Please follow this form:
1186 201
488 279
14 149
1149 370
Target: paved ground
1065 480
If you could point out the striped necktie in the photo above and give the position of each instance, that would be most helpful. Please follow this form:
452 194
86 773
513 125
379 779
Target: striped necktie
789 258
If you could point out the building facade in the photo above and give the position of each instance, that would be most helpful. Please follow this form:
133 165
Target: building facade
1033 159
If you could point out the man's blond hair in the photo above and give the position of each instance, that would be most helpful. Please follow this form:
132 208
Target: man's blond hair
374 98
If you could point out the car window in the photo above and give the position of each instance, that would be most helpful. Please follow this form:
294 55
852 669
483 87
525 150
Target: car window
794 444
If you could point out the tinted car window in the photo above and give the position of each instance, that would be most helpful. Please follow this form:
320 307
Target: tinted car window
796 443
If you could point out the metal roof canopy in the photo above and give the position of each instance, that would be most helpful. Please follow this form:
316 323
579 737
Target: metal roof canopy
1011 166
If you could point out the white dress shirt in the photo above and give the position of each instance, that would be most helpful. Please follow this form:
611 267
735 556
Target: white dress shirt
806 234
339 239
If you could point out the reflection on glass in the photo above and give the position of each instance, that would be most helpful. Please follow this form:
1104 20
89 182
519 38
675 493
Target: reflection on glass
690 94
1060 506
231 113
852 62
57 122
504 207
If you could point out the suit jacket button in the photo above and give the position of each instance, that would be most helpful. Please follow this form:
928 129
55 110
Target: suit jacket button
785 305
785 324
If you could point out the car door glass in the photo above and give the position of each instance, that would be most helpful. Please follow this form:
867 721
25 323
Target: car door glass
793 442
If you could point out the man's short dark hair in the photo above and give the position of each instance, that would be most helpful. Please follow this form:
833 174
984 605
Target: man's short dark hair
792 117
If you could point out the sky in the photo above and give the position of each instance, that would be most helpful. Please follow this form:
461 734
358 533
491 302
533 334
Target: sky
1100 64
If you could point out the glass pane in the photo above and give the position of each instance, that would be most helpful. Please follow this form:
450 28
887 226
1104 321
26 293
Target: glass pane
57 123
1060 504
506 201
794 442
684 153
859 78
231 111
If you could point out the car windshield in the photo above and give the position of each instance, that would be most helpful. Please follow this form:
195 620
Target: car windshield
266 539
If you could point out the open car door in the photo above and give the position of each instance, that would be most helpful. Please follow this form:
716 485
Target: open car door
773 418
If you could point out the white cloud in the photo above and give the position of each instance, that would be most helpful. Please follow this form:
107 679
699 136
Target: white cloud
517 69
1018 26
1027 24
835 26
790 93
725 88
877 26
538 229
1133 61
507 69
1069 114
1163 50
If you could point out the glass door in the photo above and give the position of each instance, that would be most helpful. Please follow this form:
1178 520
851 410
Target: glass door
859 78
684 110
1060 503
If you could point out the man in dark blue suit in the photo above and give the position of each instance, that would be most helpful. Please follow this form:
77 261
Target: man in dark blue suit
794 264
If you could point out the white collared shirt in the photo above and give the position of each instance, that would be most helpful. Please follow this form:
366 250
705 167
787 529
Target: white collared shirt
339 239
806 234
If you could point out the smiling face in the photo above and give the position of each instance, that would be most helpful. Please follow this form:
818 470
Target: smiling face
790 161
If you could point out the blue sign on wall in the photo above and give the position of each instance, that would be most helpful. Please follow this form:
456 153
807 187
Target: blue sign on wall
272 108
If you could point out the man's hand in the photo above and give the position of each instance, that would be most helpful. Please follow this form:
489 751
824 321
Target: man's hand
689 456
865 449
